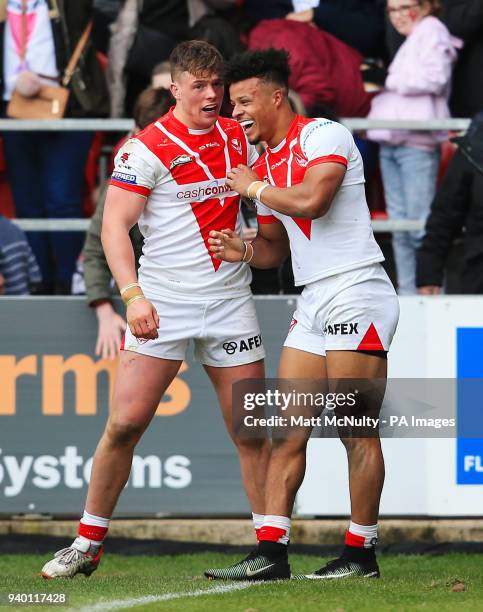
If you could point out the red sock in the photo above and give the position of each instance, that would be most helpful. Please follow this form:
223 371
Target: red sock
351 539
270 534
92 532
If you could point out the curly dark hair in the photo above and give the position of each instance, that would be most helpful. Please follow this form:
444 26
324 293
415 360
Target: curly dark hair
268 65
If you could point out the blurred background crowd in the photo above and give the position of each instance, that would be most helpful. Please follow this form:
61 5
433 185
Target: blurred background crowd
381 59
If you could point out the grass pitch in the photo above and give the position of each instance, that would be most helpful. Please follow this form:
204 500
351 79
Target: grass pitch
446 582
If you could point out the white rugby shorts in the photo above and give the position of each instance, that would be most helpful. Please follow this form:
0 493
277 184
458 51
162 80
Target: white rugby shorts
225 333
355 310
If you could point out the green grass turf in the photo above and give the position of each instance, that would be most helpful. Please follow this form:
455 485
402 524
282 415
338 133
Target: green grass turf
408 583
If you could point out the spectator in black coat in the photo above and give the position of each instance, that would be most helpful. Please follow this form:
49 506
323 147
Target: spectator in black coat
358 23
457 207
464 18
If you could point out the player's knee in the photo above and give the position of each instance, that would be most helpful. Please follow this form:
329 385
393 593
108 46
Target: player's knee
354 445
289 446
121 434
252 445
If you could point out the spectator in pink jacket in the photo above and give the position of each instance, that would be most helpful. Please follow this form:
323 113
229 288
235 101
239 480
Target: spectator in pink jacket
417 87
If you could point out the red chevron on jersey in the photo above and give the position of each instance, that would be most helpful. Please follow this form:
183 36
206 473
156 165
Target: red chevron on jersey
305 225
215 215
182 173
340 240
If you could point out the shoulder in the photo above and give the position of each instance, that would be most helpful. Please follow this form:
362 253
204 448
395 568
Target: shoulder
230 125
8 228
260 161
430 26
149 137
323 129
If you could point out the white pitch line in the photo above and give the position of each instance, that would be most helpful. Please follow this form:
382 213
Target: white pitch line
122 604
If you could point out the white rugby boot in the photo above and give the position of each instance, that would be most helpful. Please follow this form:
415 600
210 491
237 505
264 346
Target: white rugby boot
78 558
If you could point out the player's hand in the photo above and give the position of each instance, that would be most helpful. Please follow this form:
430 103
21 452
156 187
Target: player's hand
429 290
240 178
143 319
111 326
226 245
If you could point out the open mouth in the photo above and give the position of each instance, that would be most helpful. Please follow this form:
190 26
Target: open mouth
209 108
247 124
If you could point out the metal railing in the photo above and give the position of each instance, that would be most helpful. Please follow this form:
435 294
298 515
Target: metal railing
81 225
125 125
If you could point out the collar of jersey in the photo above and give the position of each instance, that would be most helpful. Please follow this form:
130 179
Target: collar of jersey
184 129
288 135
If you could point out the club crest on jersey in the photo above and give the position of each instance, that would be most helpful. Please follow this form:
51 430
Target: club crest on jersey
237 145
125 157
179 160
300 160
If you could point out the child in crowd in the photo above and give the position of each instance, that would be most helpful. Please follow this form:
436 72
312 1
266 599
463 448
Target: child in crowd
417 87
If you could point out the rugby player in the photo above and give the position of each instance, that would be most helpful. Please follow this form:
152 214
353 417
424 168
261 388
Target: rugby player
309 188
171 180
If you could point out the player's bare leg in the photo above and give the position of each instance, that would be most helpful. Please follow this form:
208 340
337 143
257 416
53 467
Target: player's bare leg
132 408
286 469
285 473
366 462
366 470
254 453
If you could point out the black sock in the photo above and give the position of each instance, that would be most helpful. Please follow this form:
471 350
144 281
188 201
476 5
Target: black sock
273 550
357 553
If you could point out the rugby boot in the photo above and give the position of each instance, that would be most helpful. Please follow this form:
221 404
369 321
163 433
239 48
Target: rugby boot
254 567
78 558
347 565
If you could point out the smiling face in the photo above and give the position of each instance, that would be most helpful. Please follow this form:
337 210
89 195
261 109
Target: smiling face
406 14
255 107
198 98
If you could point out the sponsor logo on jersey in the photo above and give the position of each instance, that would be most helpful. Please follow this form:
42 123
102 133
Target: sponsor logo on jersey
179 160
209 145
293 323
341 329
246 344
315 125
124 178
279 163
212 190
237 145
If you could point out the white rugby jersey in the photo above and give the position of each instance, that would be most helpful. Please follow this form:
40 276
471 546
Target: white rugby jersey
342 239
182 172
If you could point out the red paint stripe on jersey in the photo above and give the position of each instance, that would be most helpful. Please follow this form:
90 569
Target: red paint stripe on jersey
336 159
270 534
351 539
92 532
144 191
267 219
123 340
371 340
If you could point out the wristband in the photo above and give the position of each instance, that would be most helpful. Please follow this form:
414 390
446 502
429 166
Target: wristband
130 291
245 251
124 289
260 191
134 298
247 246
251 185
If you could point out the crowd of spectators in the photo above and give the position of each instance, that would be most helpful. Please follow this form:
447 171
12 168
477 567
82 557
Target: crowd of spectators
385 59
